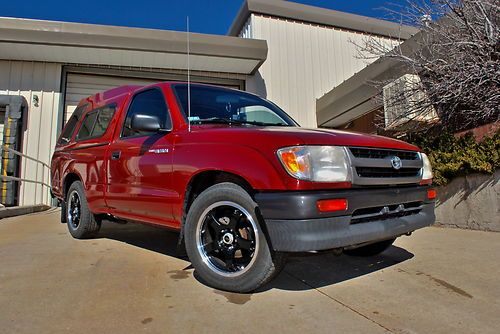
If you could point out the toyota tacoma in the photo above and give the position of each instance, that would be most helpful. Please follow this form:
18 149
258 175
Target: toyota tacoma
237 177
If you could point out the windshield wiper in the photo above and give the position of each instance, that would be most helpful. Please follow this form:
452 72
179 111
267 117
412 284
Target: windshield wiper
213 120
221 120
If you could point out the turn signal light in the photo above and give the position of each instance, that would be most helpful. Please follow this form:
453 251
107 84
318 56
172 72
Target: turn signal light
431 194
294 165
330 205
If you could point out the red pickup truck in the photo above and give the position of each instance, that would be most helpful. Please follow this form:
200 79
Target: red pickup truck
240 180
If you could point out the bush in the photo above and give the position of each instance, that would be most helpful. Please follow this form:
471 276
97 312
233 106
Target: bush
451 157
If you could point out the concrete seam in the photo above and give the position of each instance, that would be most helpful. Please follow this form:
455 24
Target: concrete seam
339 302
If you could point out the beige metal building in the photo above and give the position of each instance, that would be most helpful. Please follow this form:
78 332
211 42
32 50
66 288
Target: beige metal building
289 53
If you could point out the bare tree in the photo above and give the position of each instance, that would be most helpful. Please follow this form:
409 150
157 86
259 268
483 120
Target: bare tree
453 62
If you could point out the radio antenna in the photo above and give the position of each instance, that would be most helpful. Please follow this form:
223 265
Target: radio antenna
188 78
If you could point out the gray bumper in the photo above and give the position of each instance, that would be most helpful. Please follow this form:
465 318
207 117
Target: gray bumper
335 232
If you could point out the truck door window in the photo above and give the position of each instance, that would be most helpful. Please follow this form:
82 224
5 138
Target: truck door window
148 102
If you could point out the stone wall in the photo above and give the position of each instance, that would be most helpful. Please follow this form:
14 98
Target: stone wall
470 202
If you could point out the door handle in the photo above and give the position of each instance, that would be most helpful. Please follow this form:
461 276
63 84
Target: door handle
116 155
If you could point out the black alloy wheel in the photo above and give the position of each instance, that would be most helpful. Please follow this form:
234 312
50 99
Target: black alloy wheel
226 238
74 209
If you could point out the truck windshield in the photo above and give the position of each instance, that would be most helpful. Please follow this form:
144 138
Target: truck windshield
227 106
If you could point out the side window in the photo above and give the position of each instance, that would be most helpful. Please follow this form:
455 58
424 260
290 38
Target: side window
149 102
68 130
70 127
96 122
103 120
87 125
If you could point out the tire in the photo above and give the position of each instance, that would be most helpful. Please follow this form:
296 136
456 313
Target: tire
371 249
82 223
64 213
226 243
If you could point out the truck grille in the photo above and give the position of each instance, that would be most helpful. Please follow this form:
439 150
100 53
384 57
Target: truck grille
374 166
374 153
385 212
386 172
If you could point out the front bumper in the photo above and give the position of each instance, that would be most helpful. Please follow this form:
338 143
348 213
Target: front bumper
294 224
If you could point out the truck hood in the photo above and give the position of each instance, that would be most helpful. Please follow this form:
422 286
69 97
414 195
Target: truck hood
289 136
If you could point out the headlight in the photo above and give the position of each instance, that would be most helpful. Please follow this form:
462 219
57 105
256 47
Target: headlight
316 163
427 170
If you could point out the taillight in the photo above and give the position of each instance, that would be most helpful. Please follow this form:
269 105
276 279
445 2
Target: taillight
431 194
330 205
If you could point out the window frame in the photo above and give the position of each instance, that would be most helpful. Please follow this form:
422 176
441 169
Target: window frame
98 111
168 117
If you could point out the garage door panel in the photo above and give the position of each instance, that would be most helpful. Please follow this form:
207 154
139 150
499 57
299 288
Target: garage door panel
105 80
80 86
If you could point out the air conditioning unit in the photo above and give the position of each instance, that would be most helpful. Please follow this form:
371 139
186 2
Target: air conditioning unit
405 102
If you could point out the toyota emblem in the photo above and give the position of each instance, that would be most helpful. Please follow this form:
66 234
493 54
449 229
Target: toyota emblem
396 162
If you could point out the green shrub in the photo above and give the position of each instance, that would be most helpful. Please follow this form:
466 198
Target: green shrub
451 157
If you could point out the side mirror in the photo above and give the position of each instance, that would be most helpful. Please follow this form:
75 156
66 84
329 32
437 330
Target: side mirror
145 123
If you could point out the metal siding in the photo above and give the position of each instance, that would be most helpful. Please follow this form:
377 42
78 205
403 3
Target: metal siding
305 61
39 136
246 30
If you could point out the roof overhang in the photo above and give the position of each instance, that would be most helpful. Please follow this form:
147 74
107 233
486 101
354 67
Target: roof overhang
64 42
355 96
305 13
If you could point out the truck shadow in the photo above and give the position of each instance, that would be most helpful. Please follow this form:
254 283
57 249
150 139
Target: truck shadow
307 271
303 271
148 237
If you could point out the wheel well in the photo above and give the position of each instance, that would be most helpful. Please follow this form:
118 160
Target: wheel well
68 180
204 180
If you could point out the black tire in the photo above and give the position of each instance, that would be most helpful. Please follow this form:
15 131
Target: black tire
212 260
371 249
63 213
82 223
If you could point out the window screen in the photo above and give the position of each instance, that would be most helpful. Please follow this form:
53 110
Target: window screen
150 102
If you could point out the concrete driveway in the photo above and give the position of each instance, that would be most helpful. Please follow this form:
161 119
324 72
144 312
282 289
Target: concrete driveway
129 281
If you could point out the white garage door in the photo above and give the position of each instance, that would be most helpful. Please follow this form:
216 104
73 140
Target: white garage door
80 86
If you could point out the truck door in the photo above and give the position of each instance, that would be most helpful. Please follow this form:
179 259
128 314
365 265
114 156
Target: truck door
139 173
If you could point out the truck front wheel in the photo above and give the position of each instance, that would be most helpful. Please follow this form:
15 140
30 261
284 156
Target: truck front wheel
81 222
225 241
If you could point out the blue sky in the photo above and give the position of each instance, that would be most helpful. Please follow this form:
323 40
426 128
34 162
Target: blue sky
206 16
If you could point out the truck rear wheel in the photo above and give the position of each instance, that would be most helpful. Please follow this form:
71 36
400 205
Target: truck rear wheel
81 222
225 242
371 249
